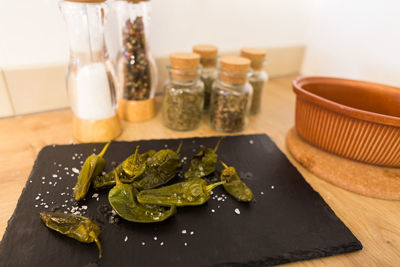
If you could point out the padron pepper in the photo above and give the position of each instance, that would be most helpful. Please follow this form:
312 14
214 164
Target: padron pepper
203 163
129 170
234 185
92 167
122 198
160 169
74 226
193 192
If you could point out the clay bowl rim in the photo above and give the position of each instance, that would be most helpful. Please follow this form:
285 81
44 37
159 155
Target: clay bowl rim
357 113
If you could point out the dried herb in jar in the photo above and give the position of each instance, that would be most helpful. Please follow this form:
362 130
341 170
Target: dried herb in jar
136 68
228 110
258 86
74 226
182 109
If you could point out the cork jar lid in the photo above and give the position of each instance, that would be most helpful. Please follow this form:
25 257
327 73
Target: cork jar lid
206 51
235 64
254 54
184 61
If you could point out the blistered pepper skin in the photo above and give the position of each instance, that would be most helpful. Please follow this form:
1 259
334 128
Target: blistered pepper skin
234 185
91 168
74 226
193 192
122 198
203 163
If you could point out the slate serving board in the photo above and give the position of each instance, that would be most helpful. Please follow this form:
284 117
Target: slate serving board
287 222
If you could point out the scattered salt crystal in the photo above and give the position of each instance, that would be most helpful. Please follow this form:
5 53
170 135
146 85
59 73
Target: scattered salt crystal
251 142
36 206
73 158
126 238
165 145
43 182
67 173
50 182
97 199
262 193
63 193
81 162
155 238
184 231
237 211
46 207
211 192
94 149
272 187
212 210
143 243
95 195
219 199
162 244
55 175
47 192
30 181
218 207
39 194
75 170
191 233
65 212
185 244
84 207
194 150
67 187
43 178
66 168
66 201
37 198
59 165
54 163
58 170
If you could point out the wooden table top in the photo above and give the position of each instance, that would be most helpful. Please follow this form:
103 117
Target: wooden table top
376 223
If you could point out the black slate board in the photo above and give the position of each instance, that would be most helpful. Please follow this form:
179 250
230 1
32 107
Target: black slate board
288 221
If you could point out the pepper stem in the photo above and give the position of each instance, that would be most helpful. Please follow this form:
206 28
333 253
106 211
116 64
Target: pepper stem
223 164
136 153
101 154
212 186
218 143
179 147
117 181
97 241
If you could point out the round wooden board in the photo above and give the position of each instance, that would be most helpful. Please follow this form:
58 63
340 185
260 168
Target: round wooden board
368 180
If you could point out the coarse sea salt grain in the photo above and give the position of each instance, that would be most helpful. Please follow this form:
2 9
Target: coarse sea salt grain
212 210
272 187
75 170
191 233
251 142
262 193
237 211
126 238
95 195
185 244
184 231
155 238
43 178
143 243
55 175
162 244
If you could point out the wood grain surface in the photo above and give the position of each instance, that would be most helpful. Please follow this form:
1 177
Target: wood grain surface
376 223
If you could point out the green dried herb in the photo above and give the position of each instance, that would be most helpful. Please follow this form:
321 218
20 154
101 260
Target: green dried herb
258 86
92 167
208 82
203 163
74 226
234 186
189 193
128 165
182 108
228 110
136 66
122 198
161 168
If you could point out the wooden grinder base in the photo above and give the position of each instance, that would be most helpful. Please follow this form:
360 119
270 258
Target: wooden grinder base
96 130
136 111
365 179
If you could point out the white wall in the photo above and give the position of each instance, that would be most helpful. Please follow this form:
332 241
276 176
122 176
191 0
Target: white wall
33 32
357 39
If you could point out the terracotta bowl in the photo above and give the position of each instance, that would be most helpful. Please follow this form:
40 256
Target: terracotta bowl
354 119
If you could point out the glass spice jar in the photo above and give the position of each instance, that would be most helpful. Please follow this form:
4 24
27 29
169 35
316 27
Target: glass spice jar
208 61
90 78
257 76
136 68
183 93
231 95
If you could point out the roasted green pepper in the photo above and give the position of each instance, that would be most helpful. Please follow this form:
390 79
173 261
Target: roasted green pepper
122 198
234 186
160 169
92 167
74 226
203 163
193 192
123 169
